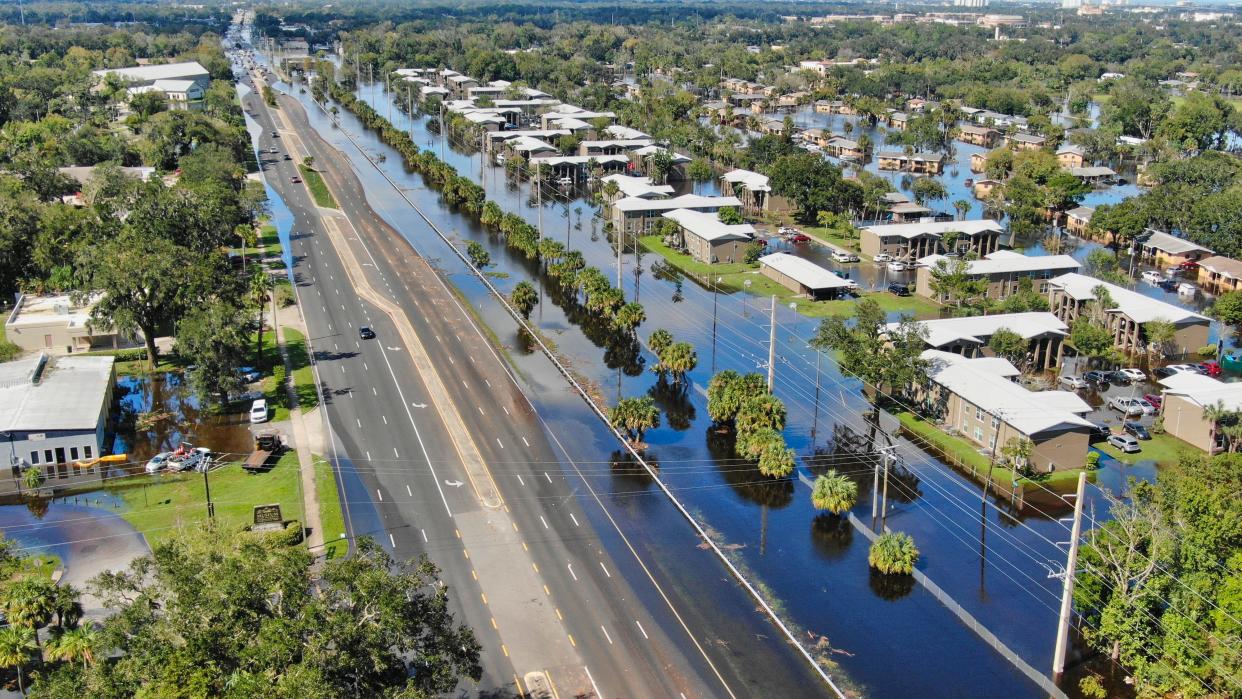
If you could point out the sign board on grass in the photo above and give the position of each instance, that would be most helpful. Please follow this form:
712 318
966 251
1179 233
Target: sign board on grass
267 514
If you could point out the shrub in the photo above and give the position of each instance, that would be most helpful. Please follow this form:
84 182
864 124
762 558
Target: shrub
1093 459
893 553
1157 425
8 350
279 376
284 295
1207 352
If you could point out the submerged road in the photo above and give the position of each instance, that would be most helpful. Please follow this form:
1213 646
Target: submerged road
457 464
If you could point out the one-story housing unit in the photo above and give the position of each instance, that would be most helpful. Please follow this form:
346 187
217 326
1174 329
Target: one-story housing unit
1187 397
803 277
58 324
1071 295
912 241
978 399
54 410
969 336
1220 274
710 240
1164 250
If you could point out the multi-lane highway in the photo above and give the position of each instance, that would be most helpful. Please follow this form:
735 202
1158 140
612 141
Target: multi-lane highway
456 463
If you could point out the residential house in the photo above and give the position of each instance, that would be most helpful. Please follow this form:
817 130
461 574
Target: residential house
898 120
907 212
1164 250
754 191
969 336
1094 175
1187 400
1072 296
54 410
844 148
919 163
708 239
634 215
913 241
1077 219
1220 274
977 135
59 324
982 189
631 186
978 399
1070 155
802 276
1003 270
1025 141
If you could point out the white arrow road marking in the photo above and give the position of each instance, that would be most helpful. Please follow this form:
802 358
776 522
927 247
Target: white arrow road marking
419 405
393 349
455 484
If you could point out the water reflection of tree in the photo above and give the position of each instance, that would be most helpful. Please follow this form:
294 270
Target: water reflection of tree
38 506
668 273
629 476
890 587
525 343
852 454
831 535
744 476
621 350
674 401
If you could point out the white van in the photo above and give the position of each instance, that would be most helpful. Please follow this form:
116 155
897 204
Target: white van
258 411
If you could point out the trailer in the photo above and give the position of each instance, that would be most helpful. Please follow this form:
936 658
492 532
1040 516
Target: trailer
266 445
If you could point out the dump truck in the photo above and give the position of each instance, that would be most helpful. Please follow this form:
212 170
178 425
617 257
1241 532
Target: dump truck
266 445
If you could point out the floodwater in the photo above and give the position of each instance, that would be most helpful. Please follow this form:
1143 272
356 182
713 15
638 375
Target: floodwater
991 556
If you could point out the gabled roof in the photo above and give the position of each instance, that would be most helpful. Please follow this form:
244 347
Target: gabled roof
803 271
977 329
1225 266
1137 307
1081 212
1071 148
1204 390
1171 244
151 73
1009 263
631 186
685 201
752 181
708 226
529 144
936 228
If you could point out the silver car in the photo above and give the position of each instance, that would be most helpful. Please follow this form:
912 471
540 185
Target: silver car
1125 443
1073 382
1129 406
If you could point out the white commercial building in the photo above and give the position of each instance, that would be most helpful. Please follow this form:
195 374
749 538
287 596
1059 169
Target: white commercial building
54 410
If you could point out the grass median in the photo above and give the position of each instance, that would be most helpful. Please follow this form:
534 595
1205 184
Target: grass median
331 516
318 188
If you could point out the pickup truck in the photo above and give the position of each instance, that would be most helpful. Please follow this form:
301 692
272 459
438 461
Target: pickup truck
266 445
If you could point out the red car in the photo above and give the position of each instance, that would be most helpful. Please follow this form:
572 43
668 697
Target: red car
800 238
1188 266
1210 367
1153 400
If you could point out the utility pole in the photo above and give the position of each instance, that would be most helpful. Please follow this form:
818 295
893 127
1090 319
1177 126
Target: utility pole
1067 591
772 346
620 233
539 196
211 507
815 418
715 290
875 483
888 462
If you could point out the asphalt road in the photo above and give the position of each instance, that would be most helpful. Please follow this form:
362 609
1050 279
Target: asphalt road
530 576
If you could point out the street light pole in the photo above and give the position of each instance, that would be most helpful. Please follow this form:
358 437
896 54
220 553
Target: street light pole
1067 590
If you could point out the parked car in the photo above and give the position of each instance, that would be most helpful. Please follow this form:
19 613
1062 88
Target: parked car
159 462
565 181
883 257
1210 367
1153 400
1125 443
1118 377
1099 432
366 333
1136 430
1166 371
1134 374
1128 406
287 157
1073 382
897 266
1151 277
1169 285
258 411
804 238
1096 376
1188 266
249 374
843 256
899 289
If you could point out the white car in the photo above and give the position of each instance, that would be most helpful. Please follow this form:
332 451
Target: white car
883 257
1134 374
258 411
897 266
159 462
1182 369
1151 277
843 256
1128 406
1072 381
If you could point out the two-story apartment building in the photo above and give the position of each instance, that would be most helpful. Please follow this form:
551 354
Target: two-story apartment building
1220 274
977 135
912 241
969 336
753 190
919 163
635 215
1072 296
710 240
1003 270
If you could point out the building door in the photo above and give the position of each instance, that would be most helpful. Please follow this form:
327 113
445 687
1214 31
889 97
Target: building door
47 341
60 455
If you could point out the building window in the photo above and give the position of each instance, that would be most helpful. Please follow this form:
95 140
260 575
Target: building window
979 414
73 453
86 451
34 457
995 421
979 434
47 456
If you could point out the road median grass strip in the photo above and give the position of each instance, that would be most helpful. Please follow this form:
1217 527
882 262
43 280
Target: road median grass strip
318 188
331 517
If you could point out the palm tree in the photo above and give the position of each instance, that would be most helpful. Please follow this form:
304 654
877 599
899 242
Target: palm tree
524 298
834 492
660 339
260 284
680 359
29 604
629 317
635 416
17 646
893 552
73 645
963 207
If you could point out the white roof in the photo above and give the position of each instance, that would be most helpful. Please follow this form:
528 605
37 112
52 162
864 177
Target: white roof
629 143
1071 148
433 90
70 393
624 132
34 310
685 201
579 159
935 228
639 186
532 133
174 85
1081 212
977 329
652 150
753 181
707 226
1204 390
484 118
529 144
1139 308
985 383
805 272
1008 262
1172 244
908 207
166 71
1092 171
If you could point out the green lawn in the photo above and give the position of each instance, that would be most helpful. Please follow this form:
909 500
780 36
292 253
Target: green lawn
330 514
159 505
734 277
965 455
318 188
830 236
1162 448
269 242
